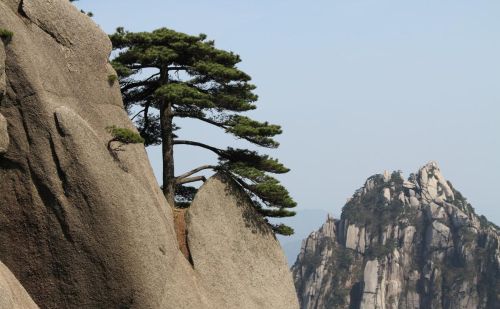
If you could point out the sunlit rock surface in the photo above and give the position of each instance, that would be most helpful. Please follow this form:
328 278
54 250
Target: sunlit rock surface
12 294
234 252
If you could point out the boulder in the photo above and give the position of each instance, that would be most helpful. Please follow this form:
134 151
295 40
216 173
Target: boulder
234 251
414 202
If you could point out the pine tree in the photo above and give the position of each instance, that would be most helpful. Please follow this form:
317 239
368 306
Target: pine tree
184 76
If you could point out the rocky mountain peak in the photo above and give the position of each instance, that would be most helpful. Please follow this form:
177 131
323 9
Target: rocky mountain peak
433 185
402 243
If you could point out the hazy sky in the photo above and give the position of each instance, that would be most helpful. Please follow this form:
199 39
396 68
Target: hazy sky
358 86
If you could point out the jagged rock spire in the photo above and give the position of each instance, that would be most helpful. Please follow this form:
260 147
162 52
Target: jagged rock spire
433 185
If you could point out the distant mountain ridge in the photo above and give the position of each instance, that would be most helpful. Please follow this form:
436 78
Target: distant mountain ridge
399 243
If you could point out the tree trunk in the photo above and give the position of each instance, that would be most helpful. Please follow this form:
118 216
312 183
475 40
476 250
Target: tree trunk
166 117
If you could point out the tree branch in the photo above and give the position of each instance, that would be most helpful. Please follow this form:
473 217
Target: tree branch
140 67
191 143
146 118
177 68
220 125
215 123
137 114
190 179
138 84
196 170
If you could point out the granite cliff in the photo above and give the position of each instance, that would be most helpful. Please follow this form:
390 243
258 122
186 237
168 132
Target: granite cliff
414 243
80 228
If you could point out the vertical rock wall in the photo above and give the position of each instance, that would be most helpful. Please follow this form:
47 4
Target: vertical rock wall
76 228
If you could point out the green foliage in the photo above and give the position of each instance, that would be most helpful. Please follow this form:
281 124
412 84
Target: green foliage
185 95
125 135
486 223
259 133
112 78
269 196
283 230
344 261
186 76
378 251
373 212
184 195
344 258
6 35
396 178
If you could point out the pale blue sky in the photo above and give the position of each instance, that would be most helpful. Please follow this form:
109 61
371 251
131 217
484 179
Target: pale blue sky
358 86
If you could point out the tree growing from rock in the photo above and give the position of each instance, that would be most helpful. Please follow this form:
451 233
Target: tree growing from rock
166 75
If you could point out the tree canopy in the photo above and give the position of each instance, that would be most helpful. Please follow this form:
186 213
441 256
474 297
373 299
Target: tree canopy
166 75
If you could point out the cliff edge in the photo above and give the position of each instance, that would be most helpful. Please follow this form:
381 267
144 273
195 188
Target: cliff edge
78 227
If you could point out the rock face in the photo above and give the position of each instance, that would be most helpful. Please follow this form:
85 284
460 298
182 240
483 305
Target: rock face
12 293
234 252
413 243
77 228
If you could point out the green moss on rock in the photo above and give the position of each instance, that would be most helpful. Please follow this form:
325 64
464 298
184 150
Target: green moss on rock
6 35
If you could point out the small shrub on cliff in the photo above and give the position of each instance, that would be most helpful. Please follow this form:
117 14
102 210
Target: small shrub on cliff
124 135
112 78
6 35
